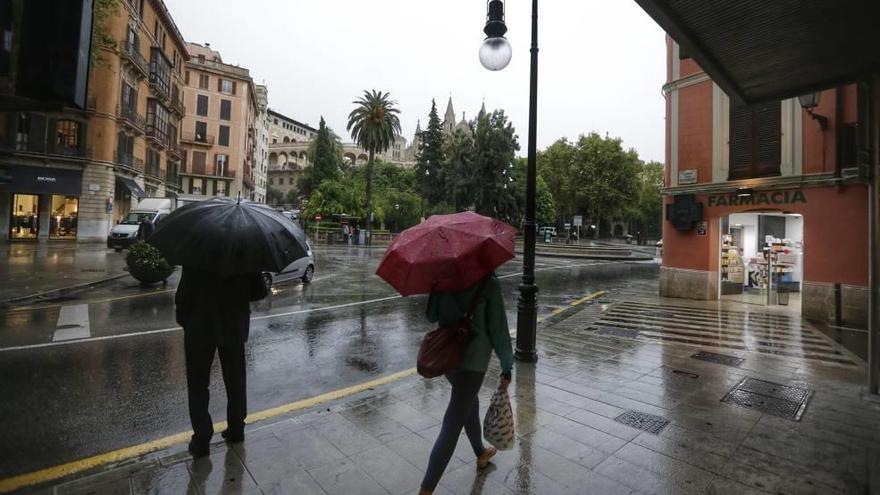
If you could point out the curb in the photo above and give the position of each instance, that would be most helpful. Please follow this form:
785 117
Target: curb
62 290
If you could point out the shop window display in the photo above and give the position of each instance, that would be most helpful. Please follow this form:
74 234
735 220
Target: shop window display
25 223
63 220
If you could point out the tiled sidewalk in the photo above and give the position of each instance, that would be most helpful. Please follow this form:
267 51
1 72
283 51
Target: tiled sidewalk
569 441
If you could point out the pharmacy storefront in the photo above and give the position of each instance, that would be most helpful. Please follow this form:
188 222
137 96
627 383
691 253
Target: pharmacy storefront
40 203
803 249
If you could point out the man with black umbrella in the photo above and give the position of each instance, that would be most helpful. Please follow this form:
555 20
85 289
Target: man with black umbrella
215 315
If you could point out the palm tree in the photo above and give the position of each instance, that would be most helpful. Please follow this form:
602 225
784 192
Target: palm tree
373 125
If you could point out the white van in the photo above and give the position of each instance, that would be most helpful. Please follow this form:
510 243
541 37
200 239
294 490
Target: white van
124 233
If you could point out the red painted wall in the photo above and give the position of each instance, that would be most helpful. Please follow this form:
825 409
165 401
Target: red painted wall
835 235
695 130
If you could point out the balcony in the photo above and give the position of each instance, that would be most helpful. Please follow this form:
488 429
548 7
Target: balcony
177 105
204 170
79 152
132 55
156 135
131 117
160 86
153 170
129 161
191 137
174 150
32 146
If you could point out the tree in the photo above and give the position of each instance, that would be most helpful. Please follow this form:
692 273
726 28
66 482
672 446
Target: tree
274 197
458 172
430 159
650 206
558 168
545 204
292 197
104 10
495 147
612 185
325 154
373 125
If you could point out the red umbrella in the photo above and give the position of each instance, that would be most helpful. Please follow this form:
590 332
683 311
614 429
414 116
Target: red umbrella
446 253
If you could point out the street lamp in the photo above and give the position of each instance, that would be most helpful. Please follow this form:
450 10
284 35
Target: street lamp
495 52
396 217
527 311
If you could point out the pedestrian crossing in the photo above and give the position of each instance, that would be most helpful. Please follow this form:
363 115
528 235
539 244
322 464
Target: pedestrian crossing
751 331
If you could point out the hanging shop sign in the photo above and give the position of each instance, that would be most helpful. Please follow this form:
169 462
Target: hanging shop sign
758 198
43 180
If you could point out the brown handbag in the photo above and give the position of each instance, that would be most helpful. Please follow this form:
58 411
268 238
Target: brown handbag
442 349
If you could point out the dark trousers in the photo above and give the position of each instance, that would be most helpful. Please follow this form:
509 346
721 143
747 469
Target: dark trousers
199 357
463 411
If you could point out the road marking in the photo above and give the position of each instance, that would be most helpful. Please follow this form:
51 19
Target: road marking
73 323
262 317
73 467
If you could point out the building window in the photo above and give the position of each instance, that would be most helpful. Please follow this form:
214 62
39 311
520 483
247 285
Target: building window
62 219
129 98
25 221
755 140
221 188
271 181
198 162
157 120
125 149
24 131
223 138
220 163
160 71
202 105
152 165
226 86
186 78
204 81
195 186
67 135
201 132
225 110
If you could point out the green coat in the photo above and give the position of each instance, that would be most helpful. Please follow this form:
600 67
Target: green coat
488 329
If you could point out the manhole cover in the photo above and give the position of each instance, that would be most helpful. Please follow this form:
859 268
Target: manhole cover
643 421
618 332
714 357
770 398
686 374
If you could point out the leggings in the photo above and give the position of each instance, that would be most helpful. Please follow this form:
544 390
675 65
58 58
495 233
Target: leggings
463 412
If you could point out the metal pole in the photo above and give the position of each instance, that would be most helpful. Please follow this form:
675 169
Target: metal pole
527 316
874 241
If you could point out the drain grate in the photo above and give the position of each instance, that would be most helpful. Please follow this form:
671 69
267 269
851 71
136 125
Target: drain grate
618 332
643 421
770 398
714 357
687 374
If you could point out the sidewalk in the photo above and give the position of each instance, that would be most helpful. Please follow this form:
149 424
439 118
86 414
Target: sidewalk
568 409
31 269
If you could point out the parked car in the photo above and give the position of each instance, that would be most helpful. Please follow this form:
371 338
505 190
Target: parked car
543 230
303 269
124 234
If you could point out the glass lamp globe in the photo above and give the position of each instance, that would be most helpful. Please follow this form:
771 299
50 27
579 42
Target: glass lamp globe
495 53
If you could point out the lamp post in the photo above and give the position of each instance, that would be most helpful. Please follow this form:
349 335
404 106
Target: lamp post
495 54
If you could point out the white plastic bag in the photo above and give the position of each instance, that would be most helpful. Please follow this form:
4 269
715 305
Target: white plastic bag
498 427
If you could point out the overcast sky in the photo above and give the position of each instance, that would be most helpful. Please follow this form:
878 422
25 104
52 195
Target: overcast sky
602 63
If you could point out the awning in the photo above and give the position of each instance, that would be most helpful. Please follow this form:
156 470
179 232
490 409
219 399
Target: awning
759 50
132 186
42 180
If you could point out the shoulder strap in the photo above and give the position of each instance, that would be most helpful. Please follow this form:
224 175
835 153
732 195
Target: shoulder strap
476 299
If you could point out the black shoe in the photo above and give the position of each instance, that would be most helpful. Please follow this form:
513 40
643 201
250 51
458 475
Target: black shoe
232 436
198 449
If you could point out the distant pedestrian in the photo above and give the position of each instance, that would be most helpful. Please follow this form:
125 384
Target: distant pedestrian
346 233
357 234
145 229
487 331
215 315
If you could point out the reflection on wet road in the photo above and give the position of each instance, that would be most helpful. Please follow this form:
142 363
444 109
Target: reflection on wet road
125 384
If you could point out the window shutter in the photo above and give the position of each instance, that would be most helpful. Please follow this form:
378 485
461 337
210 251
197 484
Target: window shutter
740 142
219 84
233 87
186 78
767 120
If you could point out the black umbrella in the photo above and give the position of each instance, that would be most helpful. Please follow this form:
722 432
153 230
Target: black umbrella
229 237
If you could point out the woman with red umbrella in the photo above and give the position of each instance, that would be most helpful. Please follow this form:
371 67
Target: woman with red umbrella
453 257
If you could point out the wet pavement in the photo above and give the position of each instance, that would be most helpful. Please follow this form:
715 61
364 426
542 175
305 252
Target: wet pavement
569 410
119 380
30 268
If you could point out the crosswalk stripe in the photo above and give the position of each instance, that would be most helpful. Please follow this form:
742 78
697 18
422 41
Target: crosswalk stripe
73 323
721 329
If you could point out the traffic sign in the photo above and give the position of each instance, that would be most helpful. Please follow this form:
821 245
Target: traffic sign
578 220
317 218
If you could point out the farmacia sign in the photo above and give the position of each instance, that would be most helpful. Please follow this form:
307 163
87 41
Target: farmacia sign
758 198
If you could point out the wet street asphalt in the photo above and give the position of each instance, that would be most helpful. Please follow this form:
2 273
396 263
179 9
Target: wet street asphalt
124 383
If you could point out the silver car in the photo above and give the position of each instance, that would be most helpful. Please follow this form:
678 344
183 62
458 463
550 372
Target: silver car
303 269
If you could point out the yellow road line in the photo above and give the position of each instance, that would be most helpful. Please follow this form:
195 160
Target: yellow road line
55 472
590 297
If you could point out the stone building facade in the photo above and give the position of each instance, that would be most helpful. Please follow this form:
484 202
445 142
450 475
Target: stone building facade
219 132
261 154
75 172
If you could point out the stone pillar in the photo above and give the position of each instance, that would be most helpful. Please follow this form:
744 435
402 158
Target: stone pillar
5 204
44 210
97 185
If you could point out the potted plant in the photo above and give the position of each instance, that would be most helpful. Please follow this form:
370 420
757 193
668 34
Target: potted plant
146 264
